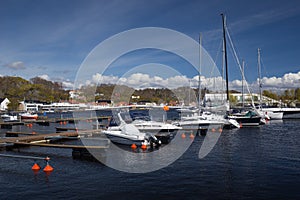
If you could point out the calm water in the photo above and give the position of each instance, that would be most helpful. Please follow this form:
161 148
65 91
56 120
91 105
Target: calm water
260 163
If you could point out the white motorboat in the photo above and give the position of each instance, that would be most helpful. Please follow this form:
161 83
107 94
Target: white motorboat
154 126
274 115
228 123
9 118
198 123
128 134
284 113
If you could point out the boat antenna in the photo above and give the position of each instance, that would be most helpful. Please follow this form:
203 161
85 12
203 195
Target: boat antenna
225 54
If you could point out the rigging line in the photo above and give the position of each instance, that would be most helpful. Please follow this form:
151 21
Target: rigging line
239 65
263 66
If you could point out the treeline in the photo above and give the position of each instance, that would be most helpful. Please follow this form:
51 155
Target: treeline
17 89
288 96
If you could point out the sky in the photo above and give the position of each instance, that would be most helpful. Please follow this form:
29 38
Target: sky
53 39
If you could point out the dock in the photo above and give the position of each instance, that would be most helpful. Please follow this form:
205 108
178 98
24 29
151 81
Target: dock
33 139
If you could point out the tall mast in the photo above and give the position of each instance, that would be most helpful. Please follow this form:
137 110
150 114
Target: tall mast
199 80
243 71
259 76
225 54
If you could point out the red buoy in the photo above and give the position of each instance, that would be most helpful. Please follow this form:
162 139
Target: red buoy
192 136
182 135
48 168
35 167
144 147
133 146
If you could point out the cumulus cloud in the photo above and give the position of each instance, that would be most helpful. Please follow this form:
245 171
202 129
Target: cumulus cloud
289 80
45 77
68 84
16 65
141 81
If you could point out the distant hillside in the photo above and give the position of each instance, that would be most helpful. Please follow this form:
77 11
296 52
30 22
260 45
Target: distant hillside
17 89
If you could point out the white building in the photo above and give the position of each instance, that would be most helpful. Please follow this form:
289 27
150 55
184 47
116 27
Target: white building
4 104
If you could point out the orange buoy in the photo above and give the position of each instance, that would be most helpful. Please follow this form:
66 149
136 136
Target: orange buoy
48 168
183 135
65 122
241 125
33 132
192 136
166 108
35 167
61 123
220 130
144 147
213 129
133 146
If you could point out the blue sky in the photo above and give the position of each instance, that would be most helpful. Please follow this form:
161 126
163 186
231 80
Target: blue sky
52 38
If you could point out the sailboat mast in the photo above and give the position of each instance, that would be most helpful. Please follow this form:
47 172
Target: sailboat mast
243 92
199 78
259 76
225 54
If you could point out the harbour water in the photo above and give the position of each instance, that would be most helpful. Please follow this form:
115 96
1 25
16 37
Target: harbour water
247 163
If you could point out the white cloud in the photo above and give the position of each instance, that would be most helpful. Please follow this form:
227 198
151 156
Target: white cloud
45 77
289 80
68 84
16 65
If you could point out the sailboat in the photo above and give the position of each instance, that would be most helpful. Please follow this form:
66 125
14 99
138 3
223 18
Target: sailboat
249 118
269 113
200 119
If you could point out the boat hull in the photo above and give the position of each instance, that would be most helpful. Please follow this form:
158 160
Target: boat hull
248 121
123 139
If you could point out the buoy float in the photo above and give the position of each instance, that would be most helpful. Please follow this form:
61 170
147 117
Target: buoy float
133 146
166 108
192 136
241 125
48 167
65 122
61 123
220 130
183 135
35 167
144 147
213 129
33 132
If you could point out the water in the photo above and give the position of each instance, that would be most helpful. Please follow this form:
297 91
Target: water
260 163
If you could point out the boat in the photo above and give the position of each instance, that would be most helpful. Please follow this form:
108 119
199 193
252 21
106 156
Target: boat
249 118
287 113
198 122
146 125
228 123
268 115
28 116
128 134
9 118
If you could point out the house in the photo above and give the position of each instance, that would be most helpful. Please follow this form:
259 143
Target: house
4 104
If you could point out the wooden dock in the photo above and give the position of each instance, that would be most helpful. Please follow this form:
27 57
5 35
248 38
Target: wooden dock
34 139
